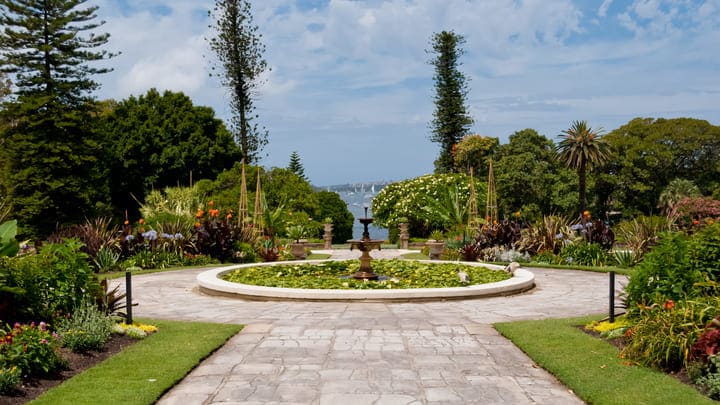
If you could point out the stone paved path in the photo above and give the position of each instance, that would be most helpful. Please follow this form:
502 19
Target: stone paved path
370 353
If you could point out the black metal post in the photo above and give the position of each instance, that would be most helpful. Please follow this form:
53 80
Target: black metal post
128 297
612 296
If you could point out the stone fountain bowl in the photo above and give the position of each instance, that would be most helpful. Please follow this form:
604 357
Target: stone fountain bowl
210 282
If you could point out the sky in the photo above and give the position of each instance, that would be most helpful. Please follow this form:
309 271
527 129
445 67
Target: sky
351 90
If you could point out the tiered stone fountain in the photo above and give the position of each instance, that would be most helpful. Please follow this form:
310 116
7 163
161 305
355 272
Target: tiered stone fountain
365 245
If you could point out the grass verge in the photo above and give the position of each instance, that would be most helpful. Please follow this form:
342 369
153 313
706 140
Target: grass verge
141 373
591 367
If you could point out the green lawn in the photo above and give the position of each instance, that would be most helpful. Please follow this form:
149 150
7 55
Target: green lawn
591 367
144 371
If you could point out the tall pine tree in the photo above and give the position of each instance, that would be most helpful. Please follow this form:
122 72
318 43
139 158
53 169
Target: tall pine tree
451 120
239 52
296 165
50 158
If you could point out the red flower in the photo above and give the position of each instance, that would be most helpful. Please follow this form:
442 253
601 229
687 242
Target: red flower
669 304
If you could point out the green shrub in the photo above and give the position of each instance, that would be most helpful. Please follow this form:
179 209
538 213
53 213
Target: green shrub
664 333
709 380
9 378
584 254
641 234
31 348
704 251
244 253
334 208
665 273
53 281
87 329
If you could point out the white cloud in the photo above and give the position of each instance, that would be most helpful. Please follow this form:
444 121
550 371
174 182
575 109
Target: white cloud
353 75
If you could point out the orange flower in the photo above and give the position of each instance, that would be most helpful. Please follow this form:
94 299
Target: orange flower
228 216
517 214
696 222
200 213
211 203
141 221
669 304
586 214
214 212
126 222
197 224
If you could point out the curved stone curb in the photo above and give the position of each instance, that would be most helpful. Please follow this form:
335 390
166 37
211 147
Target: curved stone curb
210 283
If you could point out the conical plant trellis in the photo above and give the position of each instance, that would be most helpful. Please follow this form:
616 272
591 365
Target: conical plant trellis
258 212
243 205
491 208
473 222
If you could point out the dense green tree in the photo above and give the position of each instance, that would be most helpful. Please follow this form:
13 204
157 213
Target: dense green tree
333 207
649 153
160 140
50 169
239 51
582 148
451 119
475 151
296 165
529 179
283 187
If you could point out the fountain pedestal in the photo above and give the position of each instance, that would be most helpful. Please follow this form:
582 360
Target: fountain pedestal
365 245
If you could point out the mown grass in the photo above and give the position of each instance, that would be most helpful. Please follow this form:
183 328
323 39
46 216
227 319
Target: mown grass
141 373
591 367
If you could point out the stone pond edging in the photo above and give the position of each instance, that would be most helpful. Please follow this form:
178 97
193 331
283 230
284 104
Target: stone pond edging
209 282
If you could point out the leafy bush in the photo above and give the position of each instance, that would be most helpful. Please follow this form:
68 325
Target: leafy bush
708 344
665 273
9 378
8 244
106 260
704 251
53 281
624 258
87 329
664 334
584 254
333 207
708 380
31 348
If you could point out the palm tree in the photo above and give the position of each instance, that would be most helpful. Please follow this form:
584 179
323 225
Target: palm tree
582 148
674 193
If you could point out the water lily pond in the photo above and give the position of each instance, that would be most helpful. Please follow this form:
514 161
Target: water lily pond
394 274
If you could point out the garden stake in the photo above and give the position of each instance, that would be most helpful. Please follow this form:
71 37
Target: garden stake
612 296
128 296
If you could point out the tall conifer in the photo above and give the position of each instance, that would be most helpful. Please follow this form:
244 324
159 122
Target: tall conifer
51 172
451 120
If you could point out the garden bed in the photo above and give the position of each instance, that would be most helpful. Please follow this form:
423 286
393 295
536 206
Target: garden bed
77 363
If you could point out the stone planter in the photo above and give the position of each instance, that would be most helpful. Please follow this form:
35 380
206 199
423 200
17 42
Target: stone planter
298 250
436 249
327 236
404 235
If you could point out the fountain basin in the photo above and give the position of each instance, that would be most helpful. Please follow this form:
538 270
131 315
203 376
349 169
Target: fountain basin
209 282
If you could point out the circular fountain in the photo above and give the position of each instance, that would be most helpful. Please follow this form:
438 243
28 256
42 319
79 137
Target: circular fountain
365 245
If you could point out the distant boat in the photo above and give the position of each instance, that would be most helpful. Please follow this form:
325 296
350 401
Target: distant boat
373 189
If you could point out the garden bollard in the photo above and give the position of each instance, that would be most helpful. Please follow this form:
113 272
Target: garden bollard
128 297
612 296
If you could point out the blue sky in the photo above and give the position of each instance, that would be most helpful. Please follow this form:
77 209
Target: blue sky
351 90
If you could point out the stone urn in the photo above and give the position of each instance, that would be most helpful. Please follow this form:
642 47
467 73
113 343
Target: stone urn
436 248
298 250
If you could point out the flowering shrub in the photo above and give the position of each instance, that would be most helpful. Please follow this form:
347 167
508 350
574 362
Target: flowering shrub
136 330
694 211
218 236
407 199
31 348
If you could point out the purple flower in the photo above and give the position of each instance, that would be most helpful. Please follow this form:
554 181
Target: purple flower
150 235
129 238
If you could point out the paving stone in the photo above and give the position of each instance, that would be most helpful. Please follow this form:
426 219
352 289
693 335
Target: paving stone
369 352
